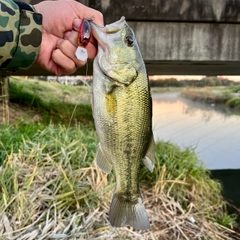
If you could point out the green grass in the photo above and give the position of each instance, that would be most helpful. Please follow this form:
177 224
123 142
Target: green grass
52 167
50 139
166 89
234 102
47 170
56 103
220 95
188 181
50 186
11 137
234 89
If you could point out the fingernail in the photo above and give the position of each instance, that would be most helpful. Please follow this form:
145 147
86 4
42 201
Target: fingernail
76 23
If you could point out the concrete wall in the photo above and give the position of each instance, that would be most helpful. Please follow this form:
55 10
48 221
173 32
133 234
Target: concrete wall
171 41
178 36
168 10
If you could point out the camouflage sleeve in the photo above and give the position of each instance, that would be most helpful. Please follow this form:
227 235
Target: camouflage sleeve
20 36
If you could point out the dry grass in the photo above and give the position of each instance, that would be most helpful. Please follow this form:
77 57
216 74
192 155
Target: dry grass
45 199
50 188
208 94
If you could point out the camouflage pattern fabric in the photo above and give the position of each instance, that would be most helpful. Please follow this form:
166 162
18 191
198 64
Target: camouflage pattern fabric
20 36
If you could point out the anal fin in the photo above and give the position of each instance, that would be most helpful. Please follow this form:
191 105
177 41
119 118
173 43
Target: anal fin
102 162
149 159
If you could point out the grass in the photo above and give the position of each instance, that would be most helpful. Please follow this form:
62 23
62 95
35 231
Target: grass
50 188
166 89
234 102
56 102
191 181
46 179
226 95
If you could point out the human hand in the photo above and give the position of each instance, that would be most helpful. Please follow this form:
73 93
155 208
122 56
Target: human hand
61 21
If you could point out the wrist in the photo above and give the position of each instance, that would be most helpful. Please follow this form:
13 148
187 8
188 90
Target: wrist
29 38
24 6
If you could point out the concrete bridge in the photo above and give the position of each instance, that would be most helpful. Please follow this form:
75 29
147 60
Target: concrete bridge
183 37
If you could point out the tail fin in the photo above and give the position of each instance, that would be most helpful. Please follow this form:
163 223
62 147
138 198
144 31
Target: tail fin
124 212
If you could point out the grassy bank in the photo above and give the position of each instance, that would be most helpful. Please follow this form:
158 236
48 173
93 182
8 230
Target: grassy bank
222 95
166 89
56 103
50 188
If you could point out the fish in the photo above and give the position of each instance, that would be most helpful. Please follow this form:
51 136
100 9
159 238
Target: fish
122 112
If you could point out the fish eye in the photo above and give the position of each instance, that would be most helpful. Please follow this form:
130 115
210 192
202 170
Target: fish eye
129 41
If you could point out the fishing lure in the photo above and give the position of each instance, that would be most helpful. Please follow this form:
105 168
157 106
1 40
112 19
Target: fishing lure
84 34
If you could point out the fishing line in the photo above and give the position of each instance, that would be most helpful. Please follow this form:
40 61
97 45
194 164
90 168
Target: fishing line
86 68
74 110
78 100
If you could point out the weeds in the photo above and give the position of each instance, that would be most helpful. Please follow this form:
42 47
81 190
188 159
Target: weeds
218 96
50 188
55 102
234 102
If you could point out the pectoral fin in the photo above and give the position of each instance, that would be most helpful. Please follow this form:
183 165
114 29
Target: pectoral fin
109 86
102 162
149 159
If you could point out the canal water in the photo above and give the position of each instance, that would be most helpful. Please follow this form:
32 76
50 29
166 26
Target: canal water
213 132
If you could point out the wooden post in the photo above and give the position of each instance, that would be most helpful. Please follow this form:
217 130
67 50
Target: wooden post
4 111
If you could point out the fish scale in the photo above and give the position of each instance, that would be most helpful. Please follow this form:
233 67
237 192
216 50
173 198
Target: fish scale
122 110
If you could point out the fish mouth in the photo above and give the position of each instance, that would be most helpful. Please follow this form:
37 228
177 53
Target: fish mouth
100 33
111 68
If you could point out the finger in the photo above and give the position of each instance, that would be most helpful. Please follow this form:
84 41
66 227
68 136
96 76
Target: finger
71 36
68 49
65 64
76 24
95 16
90 13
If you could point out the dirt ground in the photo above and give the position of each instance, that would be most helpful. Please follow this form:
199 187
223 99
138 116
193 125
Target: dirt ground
15 112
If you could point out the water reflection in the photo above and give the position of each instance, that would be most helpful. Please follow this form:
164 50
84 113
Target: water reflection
191 111
214 132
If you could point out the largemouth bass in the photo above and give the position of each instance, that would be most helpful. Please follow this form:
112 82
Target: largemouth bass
122 111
